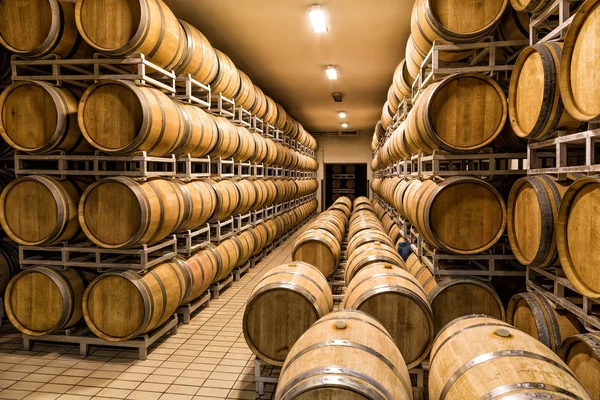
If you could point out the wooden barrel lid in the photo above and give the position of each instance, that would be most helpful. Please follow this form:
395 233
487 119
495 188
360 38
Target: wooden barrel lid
40 17
450 14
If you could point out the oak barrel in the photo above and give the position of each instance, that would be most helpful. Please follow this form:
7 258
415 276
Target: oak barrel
477 357
228 139
369 254
581 353
203 267
199 58
368 236
535 107
246 96
123 305
39 210
228 80
396 299
530 6
532 208
121 212
319 248
229 252
345 355
200 203
202 133
247 196
249 241
36 117
228 198
41 300
124 27
532 313
285 303
119 117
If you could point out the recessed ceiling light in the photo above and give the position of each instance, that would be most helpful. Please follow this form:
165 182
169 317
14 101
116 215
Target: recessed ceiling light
331 72
342 114
317 18
344 125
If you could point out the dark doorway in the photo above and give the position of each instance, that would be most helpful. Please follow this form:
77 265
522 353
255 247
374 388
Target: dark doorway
345 180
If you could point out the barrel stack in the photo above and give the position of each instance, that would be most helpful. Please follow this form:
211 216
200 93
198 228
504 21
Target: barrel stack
485 227
168 184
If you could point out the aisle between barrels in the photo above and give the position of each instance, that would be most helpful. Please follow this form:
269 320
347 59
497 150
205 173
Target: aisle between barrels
207 359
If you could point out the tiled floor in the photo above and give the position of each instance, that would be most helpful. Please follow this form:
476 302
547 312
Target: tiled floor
207 359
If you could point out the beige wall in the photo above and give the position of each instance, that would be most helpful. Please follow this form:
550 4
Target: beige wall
346 150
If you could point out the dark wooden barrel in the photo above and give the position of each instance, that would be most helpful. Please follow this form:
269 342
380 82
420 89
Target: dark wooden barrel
123 305
530 6
41 300
121 212
345 355
199 58
9 264
40 210
581 353
124 27
39 118
514 25
228 80
533 314
284 304
144 119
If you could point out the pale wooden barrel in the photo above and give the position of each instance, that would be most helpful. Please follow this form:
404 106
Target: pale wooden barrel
396 299
201 205
199 58
39 210
228 139
271 191
576 235
41 300
247 196
124 27
228 198
532 208
203 267
249 241
581 353
202 136
579 77
246 96
121 212
455 297
247 146
38 118
281 116
461 113
478 357
270 116
260 149
284 304
228 80
229 252
259 108
272 231
369 254
122 305
402 82
345 355
260 230
530 6
37 28
271 152
143 119
368 236
9 264
535 107
478 212
319 248
532 313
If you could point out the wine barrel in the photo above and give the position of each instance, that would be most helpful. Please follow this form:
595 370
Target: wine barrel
228 198
249 240
319 248
368 236
535 107
247 196
455 297
228 79
270 116
402 82
40 301
199 58
345 355
396 299
120 212
369 254
38 28
530 6
260 230
201 204
245 96
124 27
9 264
478 357
460 113
119 117
581 353
532 208
579 77
38 210
229 252
532 313
284 304
202 134
122 305
38 118
228 139
259 108
203 267
462 215
514 25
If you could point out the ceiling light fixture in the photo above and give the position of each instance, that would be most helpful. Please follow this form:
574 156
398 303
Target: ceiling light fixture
317 18
344 125
331 72
342 114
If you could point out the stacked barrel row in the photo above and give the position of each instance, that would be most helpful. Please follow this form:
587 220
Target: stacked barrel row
321 244
120 305
77 29
290 298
